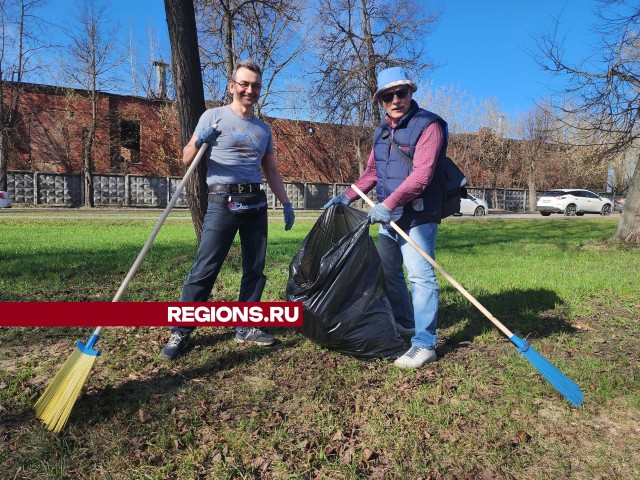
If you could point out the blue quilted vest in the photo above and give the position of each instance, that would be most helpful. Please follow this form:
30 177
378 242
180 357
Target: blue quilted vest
392 170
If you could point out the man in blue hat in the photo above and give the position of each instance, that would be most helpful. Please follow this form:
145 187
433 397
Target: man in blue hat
404 165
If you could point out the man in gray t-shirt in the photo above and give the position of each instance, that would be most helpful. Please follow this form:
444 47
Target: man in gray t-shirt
240 152
241 146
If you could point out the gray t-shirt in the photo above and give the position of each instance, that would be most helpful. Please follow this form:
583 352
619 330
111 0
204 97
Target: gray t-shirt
242 144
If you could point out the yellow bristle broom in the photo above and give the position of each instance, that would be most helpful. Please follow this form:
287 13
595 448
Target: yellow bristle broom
55 404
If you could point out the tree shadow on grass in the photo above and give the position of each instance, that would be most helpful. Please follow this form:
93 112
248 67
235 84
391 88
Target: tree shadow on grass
535 313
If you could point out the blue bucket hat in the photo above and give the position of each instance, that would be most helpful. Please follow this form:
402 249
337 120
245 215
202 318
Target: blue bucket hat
393 77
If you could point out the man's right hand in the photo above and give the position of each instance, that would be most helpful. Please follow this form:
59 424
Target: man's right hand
342 198
207 135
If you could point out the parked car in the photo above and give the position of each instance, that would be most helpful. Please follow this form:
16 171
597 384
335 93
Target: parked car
619 203
573 201
5 200
473 206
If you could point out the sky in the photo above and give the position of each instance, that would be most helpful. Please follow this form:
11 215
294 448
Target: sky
481 46
484 46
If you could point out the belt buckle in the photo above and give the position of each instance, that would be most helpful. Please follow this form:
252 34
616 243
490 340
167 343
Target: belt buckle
240 188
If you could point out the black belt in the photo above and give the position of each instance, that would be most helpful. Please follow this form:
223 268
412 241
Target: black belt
236 188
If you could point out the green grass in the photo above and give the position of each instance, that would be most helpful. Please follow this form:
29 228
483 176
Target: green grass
300 411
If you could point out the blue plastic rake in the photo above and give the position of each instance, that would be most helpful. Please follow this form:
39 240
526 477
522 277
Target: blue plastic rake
560 381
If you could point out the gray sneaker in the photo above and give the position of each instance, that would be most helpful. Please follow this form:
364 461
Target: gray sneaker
416 357
176 345
253 335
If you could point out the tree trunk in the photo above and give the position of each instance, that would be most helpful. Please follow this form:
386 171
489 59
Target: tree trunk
87 169
357 148
229 60
531 183
494 190
187 75
4 159
629 225
372 81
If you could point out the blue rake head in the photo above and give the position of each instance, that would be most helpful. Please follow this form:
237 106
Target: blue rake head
559 380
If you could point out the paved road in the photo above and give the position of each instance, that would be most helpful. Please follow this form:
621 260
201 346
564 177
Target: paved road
183 214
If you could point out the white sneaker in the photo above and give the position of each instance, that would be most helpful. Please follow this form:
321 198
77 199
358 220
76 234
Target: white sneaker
416 357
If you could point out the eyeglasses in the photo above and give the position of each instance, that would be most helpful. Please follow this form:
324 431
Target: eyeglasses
245 85
388 96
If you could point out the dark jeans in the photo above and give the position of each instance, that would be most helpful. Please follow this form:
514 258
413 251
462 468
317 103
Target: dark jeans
219 229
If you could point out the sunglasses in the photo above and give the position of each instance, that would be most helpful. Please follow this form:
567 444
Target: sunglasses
388 96
245 85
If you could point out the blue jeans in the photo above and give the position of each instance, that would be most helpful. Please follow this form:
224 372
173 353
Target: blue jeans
423 310
218 231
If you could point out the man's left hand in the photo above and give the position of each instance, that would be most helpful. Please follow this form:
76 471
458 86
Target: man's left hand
379 214
289 216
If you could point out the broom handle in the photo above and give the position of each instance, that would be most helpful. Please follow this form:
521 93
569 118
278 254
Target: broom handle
163 217
451 280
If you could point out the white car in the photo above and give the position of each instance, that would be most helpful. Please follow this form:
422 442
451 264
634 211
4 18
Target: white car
5 200
473 206
573 201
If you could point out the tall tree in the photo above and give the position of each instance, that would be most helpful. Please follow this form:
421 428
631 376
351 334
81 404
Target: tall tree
268 32
491 151
91 61
20 39
187 77
604 92
355 39
146 62
537 132
464 114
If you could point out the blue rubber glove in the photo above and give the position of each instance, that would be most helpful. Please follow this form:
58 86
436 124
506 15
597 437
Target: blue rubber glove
342 198
289 216
207 135
379 214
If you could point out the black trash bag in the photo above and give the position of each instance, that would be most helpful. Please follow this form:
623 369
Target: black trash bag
337 275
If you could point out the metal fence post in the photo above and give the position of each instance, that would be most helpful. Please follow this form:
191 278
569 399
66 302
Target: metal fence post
35 188
305 194
83 184
127 200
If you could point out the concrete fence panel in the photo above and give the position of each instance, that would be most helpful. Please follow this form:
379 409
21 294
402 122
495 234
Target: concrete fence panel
109 190
148 191
22 187
59 189
156 192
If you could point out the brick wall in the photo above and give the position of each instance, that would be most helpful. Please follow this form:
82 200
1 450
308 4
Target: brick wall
50 131
52 122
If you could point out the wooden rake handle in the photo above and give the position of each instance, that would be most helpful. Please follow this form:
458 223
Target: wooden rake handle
437 266
154 233
163 217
